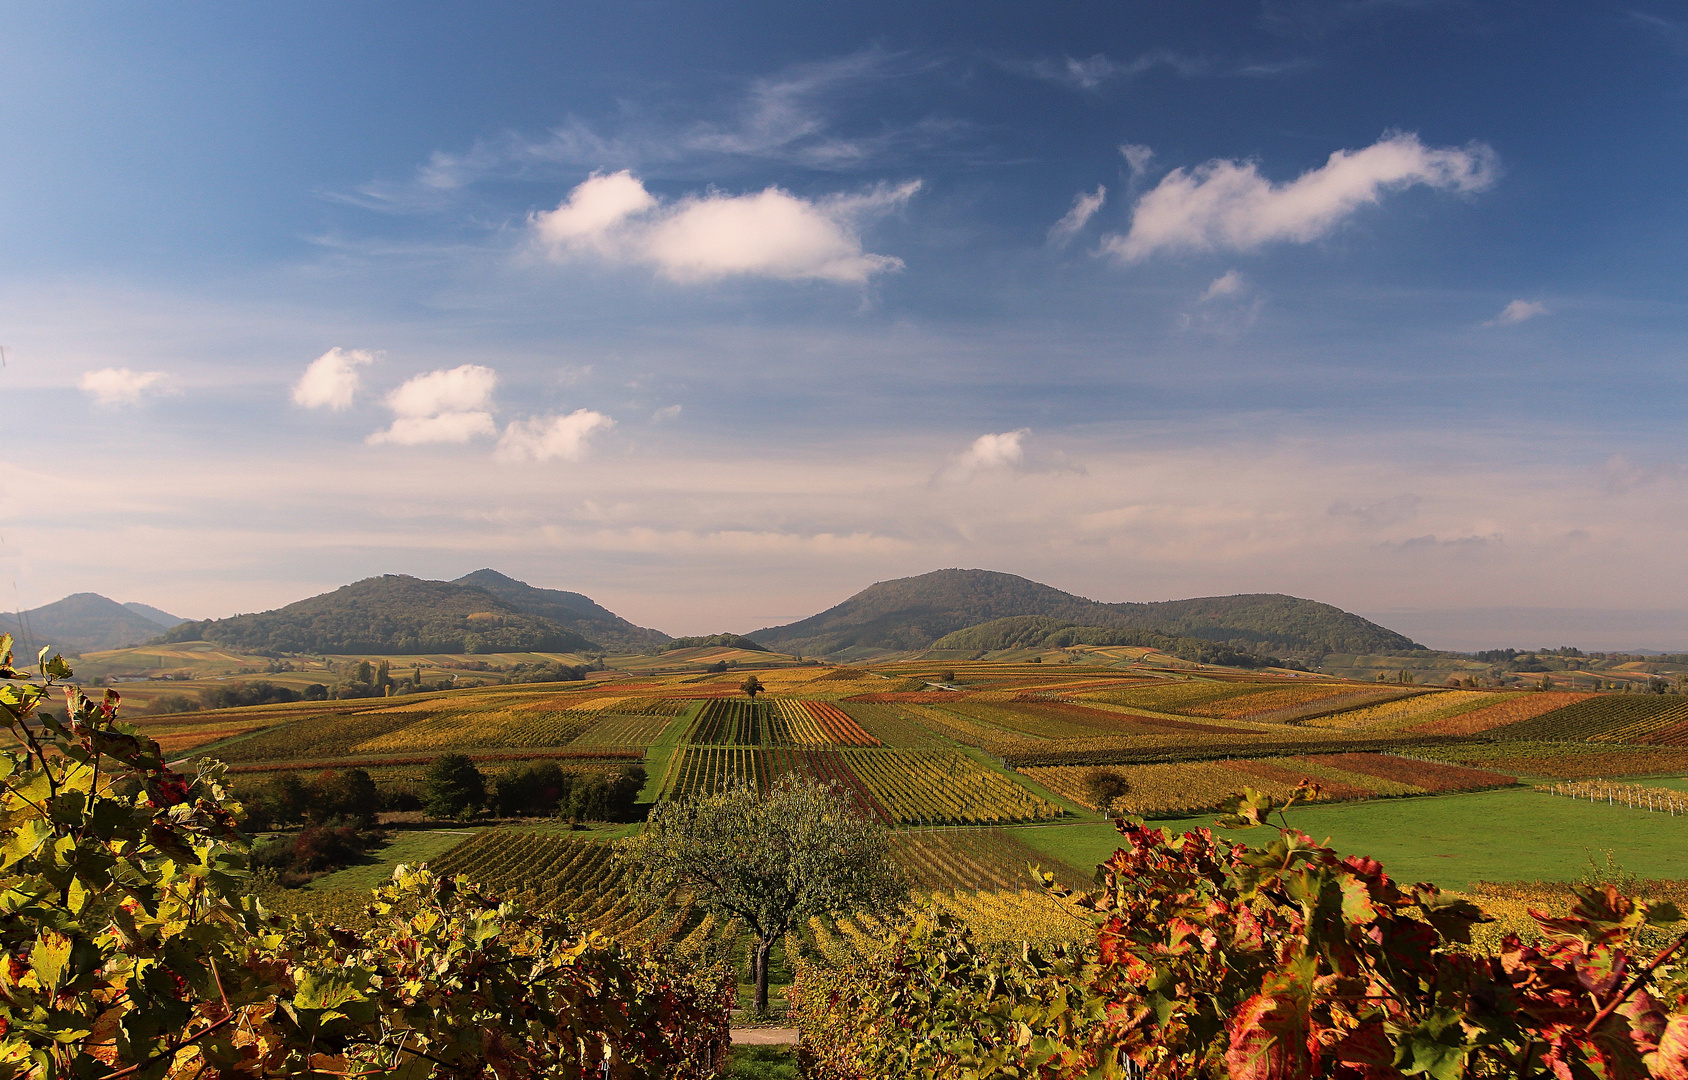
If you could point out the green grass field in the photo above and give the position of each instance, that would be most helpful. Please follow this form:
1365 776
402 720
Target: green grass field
1512 834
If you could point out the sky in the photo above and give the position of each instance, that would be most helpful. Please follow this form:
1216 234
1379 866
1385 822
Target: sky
720 313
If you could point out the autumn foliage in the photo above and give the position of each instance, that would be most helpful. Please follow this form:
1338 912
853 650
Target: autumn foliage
134 948
1282 961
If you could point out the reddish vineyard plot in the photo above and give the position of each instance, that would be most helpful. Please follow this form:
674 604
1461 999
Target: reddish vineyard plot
826 766
1266 770
1431 776
1521 708
915 697
812 723
1604 717
1106 722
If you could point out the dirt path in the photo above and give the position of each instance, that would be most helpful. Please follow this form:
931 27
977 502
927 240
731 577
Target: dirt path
764 1036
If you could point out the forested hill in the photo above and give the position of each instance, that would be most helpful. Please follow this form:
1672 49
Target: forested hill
569 610
1043 632
393 614
912 613
84 622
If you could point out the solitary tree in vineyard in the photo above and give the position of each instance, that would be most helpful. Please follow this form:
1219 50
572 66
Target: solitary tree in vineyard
752 686
773 860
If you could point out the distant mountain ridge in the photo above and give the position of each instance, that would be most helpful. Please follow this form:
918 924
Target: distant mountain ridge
570 610
914 612
162 618
1043 632
397 614
84 622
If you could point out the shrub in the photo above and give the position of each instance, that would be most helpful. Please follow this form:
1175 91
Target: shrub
1211 958
135 948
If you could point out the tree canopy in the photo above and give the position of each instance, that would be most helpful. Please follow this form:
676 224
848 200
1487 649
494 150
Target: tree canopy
772 860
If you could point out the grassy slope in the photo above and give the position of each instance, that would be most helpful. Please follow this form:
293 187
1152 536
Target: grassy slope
1508 835
406 847
658 754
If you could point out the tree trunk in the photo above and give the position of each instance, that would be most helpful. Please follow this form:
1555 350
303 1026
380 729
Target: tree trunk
759 963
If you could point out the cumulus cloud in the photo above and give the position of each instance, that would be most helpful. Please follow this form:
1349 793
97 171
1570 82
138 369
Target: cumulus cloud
551 438
996 450
1517 312
331 380
1084 208
451 405
667 412
1228 205
120 386
770 233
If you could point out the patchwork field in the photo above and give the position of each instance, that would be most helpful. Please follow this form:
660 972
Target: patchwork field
1001 756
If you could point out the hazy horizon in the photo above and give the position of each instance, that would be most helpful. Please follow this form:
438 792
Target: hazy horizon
718 315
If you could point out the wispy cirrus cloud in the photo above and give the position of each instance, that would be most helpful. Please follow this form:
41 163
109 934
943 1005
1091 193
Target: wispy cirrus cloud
1516 312
793 117
120 386
770 233
1228 205
1091 73
1073 222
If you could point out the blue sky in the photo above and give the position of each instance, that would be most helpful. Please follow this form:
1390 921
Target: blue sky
718 313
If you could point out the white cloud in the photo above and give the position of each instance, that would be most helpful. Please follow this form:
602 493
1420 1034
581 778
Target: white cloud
1227 284
1084 208
551 438
1517 312
1137 157
990 451
331 380
451 427
1229 205
120 386
667 412
770 233
448 406
790 116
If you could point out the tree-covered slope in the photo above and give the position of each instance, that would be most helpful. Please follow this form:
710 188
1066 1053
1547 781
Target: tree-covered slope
81 622
912 613
394 614
569 610
1043 632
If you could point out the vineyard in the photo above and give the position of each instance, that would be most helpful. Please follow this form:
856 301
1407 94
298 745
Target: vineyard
1561 760
1007 744
1516 708
813 723
1634 796
724 722
1188 788
907 787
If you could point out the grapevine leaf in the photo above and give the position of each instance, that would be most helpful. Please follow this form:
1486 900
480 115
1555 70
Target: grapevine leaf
1436 1047
1670 1061
1269 1032
1246 810
51 960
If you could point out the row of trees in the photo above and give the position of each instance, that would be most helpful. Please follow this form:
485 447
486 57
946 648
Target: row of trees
456 788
